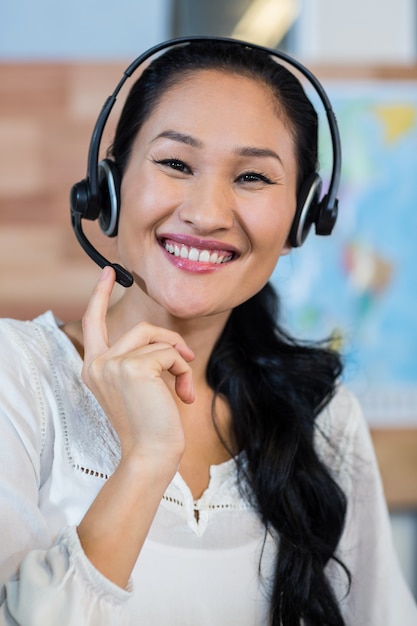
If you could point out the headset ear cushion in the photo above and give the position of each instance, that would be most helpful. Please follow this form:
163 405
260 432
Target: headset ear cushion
109 197
308 202
81 202
326 216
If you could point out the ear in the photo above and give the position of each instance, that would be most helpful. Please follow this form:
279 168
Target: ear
286 248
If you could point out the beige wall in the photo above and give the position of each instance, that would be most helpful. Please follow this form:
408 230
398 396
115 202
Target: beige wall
47 112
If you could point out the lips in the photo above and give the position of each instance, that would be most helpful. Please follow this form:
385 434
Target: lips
199 252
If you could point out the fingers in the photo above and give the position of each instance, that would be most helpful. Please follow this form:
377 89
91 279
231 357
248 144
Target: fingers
136 343
94 319
147 334
167 358
184 387
95 328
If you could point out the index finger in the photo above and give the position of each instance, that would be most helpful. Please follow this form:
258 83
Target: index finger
94 319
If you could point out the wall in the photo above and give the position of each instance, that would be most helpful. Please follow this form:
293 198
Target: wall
47 29
51 89
47 112
357 31
346 31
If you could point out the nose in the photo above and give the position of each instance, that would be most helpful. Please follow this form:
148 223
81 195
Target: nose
208 206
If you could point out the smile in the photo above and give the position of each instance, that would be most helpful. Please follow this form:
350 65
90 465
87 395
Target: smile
191 253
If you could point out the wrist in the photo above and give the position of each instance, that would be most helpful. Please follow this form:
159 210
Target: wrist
150 465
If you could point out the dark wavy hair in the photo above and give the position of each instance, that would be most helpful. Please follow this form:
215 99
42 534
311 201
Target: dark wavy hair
275 386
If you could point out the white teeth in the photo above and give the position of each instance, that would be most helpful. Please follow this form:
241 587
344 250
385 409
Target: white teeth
193 254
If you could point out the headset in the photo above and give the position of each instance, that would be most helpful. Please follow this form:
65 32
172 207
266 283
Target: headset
98 195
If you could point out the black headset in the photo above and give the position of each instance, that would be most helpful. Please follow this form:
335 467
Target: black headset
98 195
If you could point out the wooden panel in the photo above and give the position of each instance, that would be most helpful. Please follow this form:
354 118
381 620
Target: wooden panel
396 450
366 72
47 113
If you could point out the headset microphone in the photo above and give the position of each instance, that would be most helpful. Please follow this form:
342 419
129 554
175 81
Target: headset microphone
98 195
84 205
123 277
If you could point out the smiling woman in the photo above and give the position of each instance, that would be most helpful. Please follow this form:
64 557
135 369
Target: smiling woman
176 457
205 174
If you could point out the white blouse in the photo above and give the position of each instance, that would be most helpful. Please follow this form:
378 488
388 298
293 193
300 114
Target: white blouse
56 450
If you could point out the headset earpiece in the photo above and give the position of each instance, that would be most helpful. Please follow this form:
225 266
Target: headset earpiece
109 197
81 201
308 207
326 216
105 206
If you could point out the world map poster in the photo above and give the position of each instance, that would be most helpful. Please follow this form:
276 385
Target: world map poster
359 286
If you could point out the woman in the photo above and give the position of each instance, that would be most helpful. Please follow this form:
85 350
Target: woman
176 458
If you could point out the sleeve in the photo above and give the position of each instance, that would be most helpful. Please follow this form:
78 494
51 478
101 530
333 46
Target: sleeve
378 593
60 586
42 581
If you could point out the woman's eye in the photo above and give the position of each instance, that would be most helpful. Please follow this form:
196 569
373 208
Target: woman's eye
175 164
254 177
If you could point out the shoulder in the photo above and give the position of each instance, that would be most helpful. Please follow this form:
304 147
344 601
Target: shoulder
44 400
28 336
24 348
29 361
342 437
342 414
37 345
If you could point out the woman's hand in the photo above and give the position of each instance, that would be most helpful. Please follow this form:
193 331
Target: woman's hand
127 379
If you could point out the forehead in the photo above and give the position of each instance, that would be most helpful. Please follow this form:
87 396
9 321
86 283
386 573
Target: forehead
214 80
222 95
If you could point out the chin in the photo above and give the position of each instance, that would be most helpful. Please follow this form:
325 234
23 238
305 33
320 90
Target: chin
194 310
187 314
189 304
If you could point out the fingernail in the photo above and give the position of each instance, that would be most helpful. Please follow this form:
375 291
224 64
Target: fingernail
105 272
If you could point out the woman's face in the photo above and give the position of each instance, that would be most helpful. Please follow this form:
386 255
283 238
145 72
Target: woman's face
208 196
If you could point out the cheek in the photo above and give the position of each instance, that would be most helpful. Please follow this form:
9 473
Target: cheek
269 230
146 200
136 195
268 238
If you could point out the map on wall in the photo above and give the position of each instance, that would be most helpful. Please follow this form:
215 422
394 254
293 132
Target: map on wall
359 286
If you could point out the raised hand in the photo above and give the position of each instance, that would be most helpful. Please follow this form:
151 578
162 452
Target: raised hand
127 378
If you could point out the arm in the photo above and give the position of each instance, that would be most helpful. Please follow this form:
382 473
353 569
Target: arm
85 580
59 585
39 578
127 380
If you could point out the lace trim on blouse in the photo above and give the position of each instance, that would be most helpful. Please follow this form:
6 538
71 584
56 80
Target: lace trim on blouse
222 494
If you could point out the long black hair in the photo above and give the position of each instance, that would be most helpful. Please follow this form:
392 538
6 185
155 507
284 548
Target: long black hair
275 386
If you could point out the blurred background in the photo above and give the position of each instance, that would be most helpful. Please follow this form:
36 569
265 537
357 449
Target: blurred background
58 63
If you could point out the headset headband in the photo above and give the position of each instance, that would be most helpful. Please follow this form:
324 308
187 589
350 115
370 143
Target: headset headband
86 193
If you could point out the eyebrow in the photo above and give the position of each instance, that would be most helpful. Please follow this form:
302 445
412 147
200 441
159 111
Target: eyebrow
245 151
259 152
181 137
